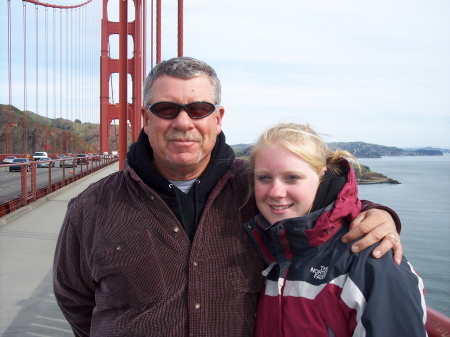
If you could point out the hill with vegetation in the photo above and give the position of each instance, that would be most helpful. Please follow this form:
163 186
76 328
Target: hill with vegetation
57 135
366 150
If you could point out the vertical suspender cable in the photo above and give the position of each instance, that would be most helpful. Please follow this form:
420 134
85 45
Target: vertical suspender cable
94 62
152 35
36 143
80 101
25 87
90 68
7 126
83 106
46 78
144 40
180 28
95 109
123 77
71 65
66 79
62 139
158 31
54 82
78 70
87 63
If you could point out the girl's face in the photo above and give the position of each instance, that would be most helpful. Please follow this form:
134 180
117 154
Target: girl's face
285 185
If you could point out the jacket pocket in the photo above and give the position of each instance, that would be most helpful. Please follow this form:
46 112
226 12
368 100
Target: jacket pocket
129 273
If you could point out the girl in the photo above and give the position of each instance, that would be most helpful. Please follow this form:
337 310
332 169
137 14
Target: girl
315 286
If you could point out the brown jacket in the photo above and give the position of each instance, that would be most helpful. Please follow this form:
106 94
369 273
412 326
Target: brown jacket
125 267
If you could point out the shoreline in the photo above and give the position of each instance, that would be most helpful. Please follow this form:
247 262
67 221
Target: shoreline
381 181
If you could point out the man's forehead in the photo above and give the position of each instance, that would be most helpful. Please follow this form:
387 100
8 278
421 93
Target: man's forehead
166 85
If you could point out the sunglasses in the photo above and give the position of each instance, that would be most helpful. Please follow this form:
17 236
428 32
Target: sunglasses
170 110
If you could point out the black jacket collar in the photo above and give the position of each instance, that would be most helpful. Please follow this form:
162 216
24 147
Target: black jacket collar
187 207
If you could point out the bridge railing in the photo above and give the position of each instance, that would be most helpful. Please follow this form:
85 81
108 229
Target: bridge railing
438 324
18 190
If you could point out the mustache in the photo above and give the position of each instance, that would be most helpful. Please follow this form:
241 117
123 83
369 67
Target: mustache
178 135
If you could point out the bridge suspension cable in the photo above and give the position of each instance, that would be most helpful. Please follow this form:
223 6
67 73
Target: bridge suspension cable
53 67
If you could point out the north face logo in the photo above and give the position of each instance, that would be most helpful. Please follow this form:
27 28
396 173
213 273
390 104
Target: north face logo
319 273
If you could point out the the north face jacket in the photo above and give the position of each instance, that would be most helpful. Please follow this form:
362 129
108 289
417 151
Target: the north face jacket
316 287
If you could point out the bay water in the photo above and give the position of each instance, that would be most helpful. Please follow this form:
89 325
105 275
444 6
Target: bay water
422 201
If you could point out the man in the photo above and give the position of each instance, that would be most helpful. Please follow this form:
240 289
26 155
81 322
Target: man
158 248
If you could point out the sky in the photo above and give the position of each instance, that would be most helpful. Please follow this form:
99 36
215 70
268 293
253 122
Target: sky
373 71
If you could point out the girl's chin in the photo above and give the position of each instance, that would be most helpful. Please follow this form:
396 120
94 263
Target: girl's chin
272 218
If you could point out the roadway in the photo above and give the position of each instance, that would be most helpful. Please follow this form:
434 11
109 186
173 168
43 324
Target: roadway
10 181
27 242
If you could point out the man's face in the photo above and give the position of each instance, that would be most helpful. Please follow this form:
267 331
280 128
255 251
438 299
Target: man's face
182 146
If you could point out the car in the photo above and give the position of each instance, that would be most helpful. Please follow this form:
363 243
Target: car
45 162
82 159
9 159
39 155
68 161
19 167
95 156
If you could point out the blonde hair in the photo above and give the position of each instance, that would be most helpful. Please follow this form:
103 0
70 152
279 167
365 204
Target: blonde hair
303 142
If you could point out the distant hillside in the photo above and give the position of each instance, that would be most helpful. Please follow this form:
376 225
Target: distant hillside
362 150
365 150
61 134
428 148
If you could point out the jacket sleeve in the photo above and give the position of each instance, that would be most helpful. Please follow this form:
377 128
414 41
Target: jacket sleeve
366 205
391 301
73 291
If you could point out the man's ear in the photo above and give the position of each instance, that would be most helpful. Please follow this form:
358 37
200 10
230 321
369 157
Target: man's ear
145 118
219 116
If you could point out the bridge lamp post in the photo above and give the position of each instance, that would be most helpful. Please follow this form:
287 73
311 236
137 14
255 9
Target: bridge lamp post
47 147
67 144
8 127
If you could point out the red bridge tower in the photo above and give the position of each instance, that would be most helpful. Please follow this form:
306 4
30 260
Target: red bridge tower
135 67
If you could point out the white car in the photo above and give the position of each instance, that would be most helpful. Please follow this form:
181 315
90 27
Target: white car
8 160
39 155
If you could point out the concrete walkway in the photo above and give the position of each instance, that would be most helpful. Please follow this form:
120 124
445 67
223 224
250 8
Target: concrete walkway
27 243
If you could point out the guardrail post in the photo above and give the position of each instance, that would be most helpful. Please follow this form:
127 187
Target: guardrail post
23 184
63 183
50 166
33 181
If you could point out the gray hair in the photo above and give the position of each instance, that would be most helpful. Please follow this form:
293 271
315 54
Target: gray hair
182 67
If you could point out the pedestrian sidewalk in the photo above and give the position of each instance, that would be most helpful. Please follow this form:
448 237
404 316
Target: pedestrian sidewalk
27 243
